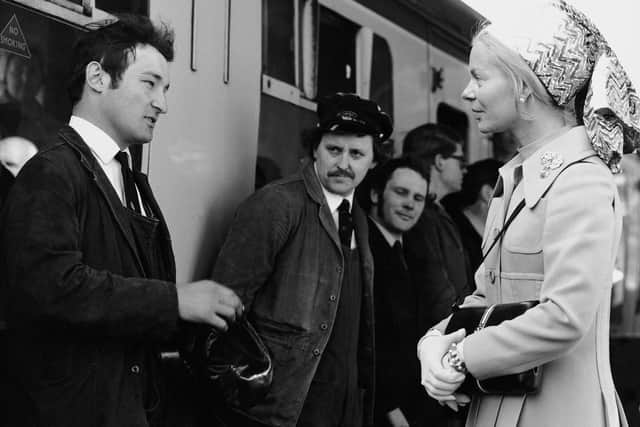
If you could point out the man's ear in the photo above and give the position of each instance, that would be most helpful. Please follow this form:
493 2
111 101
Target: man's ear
95 76
438 162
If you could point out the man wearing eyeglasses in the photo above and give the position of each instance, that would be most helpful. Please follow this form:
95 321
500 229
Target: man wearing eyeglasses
435 253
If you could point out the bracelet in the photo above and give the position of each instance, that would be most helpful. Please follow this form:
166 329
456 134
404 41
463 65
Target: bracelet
455 360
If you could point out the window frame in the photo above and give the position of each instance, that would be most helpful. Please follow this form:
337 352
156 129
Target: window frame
305 35
306 55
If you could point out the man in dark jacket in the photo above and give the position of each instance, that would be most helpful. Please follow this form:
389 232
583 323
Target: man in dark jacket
436 256
298 256
394 197
434 244
85 252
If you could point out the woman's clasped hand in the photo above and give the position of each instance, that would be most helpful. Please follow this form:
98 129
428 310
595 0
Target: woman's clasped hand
438 377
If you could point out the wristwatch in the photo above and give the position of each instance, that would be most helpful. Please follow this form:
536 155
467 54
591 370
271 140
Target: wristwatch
455 360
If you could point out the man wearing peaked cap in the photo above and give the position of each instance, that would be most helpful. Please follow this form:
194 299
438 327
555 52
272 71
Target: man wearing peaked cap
298 256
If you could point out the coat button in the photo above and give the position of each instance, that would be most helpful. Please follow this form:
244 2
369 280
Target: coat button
324 326
316 352
332 298
135 369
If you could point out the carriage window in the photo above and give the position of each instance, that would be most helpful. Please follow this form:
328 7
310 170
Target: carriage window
337 54
278 40
382 75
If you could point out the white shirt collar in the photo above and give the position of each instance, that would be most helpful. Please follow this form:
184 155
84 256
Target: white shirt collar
391 239
334 200
102 145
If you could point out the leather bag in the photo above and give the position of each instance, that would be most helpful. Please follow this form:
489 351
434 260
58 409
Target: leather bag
236 363
474 319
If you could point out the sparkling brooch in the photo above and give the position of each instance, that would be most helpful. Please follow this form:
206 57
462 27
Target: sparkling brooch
550 161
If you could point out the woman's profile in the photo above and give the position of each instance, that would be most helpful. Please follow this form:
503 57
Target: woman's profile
553 81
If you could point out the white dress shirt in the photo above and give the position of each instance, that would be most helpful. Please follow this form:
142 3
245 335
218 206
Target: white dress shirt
104 149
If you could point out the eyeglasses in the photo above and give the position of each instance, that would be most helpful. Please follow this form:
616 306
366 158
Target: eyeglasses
460 158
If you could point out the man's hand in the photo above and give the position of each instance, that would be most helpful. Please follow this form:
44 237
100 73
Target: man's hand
396 418
439 380
206 301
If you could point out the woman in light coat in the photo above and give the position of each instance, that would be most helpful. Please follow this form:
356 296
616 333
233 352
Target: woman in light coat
560 249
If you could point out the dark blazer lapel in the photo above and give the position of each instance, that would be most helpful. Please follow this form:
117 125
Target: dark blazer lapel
104 186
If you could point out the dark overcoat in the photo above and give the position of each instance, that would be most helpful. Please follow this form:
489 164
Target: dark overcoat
284 259
83 314
438 264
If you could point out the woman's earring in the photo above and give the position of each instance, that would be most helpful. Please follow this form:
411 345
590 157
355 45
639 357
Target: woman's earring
522 99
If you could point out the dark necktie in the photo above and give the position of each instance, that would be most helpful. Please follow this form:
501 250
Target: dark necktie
130 193
345 224
399 252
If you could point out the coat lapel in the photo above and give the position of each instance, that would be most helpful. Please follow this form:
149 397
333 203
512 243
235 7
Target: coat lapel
142 182
104 186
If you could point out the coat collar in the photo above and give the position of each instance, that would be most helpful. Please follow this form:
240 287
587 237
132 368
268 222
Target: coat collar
312 183
540 169
314 190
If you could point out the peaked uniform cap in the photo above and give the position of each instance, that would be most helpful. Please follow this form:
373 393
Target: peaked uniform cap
347 112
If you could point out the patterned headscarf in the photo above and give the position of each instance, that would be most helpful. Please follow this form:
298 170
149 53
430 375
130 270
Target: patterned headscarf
566 51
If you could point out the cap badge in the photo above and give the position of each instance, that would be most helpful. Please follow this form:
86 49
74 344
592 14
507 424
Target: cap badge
550 160
348 115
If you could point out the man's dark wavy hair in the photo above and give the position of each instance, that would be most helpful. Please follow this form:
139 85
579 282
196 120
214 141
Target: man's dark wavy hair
430 139
112 43
378 177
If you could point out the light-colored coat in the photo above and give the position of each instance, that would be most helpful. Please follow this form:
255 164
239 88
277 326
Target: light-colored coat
560 249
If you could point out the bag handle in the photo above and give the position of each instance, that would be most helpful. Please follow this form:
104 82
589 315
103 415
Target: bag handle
513 215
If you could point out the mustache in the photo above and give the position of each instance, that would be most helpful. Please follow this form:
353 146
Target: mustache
341 173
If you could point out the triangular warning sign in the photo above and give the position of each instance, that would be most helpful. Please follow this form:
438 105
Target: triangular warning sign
12 39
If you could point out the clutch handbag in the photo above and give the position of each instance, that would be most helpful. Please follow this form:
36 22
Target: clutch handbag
474 319
236 363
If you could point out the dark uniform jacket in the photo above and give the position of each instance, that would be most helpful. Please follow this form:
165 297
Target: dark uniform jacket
82 311
283 258
438 264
